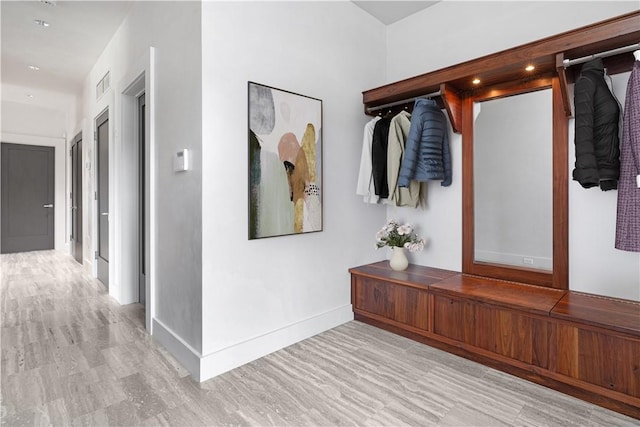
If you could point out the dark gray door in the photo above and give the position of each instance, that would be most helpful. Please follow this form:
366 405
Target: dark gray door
76 198
27 198
102 150
142 199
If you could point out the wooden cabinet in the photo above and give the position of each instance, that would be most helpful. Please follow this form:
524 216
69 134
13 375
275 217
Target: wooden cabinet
515 335
402 304
398 297
598 340
580 344
597 357
454 318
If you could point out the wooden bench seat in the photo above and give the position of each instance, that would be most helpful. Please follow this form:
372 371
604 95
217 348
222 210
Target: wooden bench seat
517 296
581 344
413 276
610 313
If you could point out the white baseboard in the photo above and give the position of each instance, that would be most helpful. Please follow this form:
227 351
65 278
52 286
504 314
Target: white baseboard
208 366
517 260
226 359
183 352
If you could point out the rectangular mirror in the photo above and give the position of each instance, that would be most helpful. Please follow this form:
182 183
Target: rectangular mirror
513 180
514 183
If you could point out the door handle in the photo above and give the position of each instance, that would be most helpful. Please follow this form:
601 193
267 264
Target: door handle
74 207
105 214
50 205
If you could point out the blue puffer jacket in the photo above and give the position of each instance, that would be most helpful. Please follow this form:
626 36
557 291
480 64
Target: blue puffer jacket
426 155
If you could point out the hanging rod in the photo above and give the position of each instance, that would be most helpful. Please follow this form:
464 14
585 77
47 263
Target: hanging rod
569 62
404 101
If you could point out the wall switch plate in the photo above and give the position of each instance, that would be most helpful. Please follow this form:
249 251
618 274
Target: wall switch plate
181 161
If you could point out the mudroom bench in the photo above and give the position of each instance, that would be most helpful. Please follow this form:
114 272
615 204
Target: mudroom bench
580 344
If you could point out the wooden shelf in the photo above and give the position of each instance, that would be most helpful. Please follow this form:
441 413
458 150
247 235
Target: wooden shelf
508 65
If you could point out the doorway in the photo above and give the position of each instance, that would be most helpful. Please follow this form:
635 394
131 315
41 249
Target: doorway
142 201
28 178
102 196
76 198
134 216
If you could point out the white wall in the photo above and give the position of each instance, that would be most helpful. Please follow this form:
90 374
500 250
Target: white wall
595 266
261 295
32 120
452 32
173 28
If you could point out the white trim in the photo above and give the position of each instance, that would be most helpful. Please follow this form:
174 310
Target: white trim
226 359
189 357
126 177
139 78
150 100
218 362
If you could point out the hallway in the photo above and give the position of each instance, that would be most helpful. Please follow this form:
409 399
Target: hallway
72 356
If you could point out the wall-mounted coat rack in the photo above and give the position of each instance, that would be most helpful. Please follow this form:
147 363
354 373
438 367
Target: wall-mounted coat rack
616 61
546 55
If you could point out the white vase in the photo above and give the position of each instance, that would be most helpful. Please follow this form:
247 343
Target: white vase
398 261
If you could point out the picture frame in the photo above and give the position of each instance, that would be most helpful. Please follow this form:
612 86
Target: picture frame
285 162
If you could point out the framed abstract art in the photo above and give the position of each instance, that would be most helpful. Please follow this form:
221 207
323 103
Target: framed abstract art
285 162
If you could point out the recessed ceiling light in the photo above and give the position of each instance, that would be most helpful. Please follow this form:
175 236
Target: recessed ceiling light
33 67
530 68
476 81
29 96
41 22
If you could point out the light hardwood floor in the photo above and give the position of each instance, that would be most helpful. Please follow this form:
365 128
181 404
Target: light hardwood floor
72 356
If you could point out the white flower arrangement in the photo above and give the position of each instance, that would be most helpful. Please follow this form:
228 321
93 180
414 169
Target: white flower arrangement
399 236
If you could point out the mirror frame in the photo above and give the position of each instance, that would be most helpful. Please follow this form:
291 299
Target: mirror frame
559 276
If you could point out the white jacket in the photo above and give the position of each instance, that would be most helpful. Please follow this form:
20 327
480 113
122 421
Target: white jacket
365 185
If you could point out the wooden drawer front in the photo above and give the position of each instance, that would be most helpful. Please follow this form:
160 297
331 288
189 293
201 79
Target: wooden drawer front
512 334
599 358
454 318
396 302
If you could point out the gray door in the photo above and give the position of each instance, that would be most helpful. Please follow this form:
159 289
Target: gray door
102 171
27 198
142 199
76 198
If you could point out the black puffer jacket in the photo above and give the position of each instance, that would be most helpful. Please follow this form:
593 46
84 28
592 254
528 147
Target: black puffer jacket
596 129
379 147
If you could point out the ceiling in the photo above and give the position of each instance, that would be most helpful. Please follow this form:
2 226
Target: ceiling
67 49
389 12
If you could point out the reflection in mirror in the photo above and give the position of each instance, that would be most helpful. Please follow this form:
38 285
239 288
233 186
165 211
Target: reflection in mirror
513 180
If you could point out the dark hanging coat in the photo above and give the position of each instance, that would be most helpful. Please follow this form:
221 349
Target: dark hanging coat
427 153
596 129
379 157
